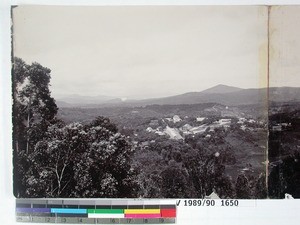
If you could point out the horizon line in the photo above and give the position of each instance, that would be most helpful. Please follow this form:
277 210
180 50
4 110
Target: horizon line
164 96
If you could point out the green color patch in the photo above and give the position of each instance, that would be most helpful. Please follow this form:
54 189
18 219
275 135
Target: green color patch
114 211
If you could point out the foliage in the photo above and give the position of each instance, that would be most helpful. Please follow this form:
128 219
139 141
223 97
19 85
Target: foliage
261 191
175 181
81 161
33 108
180 171
33 111
106 164
208 174
52 159
285 177
242 186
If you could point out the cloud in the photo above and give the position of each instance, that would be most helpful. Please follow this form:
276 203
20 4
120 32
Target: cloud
145 51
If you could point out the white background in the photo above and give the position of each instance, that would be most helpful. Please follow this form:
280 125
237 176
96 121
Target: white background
250 212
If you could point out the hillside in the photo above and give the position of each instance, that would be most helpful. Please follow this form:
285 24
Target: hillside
220 94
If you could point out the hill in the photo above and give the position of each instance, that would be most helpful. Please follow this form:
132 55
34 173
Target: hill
227 97
221 89
220 94
79 100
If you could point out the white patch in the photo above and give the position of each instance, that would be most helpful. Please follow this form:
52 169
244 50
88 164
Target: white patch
200 119
173 133
176 119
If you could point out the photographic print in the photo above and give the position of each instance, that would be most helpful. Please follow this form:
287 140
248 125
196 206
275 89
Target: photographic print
284 105
152 102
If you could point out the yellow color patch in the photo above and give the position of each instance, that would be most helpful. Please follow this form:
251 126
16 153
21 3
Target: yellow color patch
142 211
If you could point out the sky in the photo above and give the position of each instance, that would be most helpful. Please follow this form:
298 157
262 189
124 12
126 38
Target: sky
144 51
285 46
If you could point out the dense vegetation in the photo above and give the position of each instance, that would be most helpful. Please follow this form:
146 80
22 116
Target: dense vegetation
284 150
54 159
123 152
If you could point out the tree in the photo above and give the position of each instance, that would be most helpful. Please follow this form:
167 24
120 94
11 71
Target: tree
285 177
33 108
106 163
33 111
149 165
261 191
174 181
207 174
19 72
51 173
242 187
81 161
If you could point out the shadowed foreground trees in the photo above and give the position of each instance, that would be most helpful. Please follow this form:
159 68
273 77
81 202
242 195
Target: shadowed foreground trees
80 161
285 177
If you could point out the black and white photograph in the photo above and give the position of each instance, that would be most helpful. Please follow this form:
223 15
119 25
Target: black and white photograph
156 102
284 103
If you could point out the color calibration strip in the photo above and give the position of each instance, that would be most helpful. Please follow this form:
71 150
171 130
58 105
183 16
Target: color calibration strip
96 211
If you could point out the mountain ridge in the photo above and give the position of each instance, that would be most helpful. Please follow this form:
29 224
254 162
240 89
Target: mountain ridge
222 94
221 88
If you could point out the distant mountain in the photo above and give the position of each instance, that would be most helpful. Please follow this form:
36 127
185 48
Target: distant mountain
227 95
240 97
60 103
221 89
79 100
284 94
221 94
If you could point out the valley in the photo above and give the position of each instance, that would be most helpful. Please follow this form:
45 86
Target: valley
233 133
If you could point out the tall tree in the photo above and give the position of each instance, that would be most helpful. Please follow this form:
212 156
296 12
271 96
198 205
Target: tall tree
19 72
33 111
34 108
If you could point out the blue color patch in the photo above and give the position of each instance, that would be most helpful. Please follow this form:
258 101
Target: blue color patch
68 211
